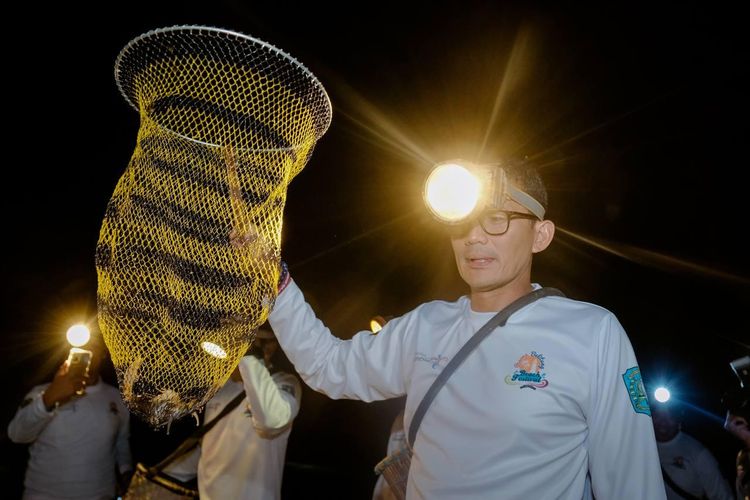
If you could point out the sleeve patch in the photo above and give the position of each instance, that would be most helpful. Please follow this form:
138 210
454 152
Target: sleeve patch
636 391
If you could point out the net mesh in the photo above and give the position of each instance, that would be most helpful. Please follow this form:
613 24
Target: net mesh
188 252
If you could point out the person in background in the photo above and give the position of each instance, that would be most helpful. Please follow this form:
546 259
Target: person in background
242 456
79 442
738 424
737 404
689 469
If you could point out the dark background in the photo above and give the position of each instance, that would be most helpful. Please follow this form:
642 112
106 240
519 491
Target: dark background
634 111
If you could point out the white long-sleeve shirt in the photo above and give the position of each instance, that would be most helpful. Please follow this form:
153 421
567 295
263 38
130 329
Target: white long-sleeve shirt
692 467
549 406
242 456
75 447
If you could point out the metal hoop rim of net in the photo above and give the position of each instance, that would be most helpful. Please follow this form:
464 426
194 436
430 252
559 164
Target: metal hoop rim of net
315 83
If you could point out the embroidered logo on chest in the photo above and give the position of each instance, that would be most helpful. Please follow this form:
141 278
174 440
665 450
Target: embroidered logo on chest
435 362
529 372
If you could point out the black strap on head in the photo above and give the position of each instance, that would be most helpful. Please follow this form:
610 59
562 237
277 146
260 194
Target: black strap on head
497 320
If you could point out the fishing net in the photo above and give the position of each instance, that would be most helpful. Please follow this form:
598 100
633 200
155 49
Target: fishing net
188 252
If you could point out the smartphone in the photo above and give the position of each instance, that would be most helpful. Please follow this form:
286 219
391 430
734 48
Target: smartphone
78 364
741 368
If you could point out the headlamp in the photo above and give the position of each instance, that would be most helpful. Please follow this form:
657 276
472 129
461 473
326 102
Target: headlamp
458 190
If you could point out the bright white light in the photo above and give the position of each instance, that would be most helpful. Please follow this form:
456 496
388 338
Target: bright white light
662 394
452 192
78 335
376 324
214 350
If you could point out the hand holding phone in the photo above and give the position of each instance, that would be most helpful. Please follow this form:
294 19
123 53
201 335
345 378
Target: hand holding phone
69 380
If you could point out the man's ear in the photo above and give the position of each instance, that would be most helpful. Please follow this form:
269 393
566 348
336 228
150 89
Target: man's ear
544 232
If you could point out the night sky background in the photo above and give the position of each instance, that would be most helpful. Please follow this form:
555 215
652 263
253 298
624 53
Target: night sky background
635 112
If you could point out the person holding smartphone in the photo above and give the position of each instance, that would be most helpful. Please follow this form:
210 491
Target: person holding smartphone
243 455
79 431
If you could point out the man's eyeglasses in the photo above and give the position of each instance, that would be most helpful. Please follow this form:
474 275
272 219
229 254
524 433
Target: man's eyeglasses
497 222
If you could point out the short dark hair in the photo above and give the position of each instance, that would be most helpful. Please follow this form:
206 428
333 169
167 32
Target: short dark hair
524 175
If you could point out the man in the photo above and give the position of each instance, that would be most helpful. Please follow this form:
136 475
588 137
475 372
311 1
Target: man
689 468
242 456
77 440
738 425
549 406
737 404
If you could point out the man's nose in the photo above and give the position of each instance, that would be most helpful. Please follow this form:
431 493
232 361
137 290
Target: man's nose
475 234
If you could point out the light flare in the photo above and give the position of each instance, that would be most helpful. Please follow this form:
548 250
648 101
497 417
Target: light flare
78 335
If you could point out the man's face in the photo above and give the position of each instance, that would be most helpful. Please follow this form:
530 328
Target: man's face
666 425
269 347
739 427
487 262
98 353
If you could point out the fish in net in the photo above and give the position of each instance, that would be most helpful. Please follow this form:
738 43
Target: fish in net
189 248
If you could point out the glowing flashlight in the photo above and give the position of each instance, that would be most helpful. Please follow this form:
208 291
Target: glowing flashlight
79 359
78 335
456 190
661 394
377 323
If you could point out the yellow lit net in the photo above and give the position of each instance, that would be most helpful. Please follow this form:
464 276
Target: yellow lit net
189 248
